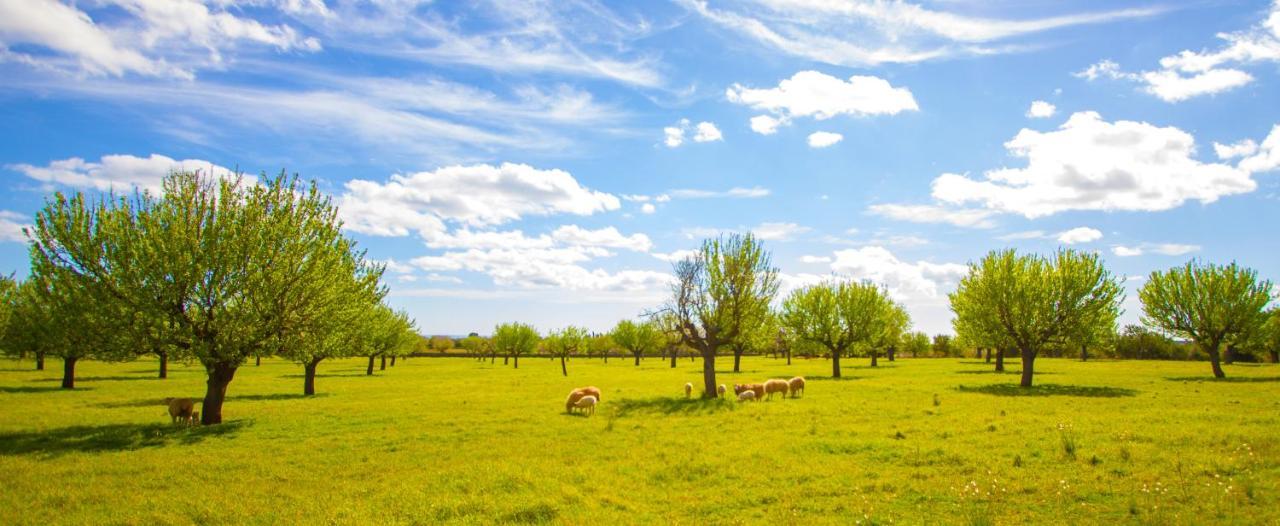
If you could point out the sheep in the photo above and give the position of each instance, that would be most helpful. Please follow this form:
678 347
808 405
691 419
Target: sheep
577 394
179 408
776 386
720 390
688 390
195 418
587 404
746 396
797 385
757 388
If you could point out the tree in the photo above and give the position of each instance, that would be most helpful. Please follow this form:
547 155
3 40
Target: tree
601 345
1206 303
514 340
942 345
638 338
1269 339
758 335
916 343
893 322
566 342
441 344
389 332
1033 301
476 346
717 294
837 316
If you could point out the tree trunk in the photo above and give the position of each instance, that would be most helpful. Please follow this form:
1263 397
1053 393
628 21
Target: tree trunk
874 355
988 354
516 359
384 363
891 352
393 361
1229 357
164 363
638 361
220 376
1213 359
69 373
999 359
257 361
563 369
606 357
835 364
369 371
1028 367
493 358
979 353
788 356
39 361
506 359
674 355
709 373
1275 356
1084 353
737 360
309 383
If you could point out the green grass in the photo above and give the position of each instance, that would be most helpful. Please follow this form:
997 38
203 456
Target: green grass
454 441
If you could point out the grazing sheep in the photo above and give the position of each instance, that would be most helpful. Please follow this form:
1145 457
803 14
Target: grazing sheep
758 389
797 385
587 404
577 394
720 390
195 419
776 386
688 390
746 396
179 409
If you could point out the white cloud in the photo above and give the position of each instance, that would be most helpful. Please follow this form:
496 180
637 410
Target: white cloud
823 139
736 192
607 237
1267 157
900 277
674 256
1041 110
120 173
1243 148
778 231
541 268
1164 249
821 96
861 34
1190 74
476 195
1079 235
964 217
766 125
1091 164
648 208
673 136
815 259
1017 236
707 132
11 225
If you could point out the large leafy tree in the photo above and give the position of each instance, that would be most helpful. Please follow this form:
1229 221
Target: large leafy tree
1034 301
837 316
514 340
1206 303
566 342
718 295
390 333
893 323
638 338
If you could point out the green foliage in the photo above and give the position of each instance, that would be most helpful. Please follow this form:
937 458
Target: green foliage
638 338
1136 342
441 343
915 343
840 315
1206 303
943 346
515 340
566 342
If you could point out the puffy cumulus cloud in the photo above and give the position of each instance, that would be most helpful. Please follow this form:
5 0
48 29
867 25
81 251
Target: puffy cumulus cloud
11 225
766 125
1041 110
675 255
1091 164
1190 74
1267 156
1079 235
608 237
169 38
815 259
823 139
1163 249
119 173
707 132
963 217
778 231
902 278
545 268
673 136
477 195
1243 148
648 208
821 96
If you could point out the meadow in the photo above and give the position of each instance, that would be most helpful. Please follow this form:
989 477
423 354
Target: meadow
434 440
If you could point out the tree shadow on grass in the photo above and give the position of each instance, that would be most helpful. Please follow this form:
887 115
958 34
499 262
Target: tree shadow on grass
24 389
672 406
113 437
832 378
1049 390
100 378
328 375
273 397
1229 379
993 371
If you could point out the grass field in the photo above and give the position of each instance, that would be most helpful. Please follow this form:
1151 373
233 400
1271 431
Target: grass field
454 441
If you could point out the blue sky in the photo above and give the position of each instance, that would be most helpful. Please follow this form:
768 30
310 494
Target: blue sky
545 161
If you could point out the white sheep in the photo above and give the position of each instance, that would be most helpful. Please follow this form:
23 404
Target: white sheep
688 390
721 390
746 396
587 404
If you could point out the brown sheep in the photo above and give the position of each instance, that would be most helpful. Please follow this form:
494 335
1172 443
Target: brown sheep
577 394
776 386
797 385
757 388
195 418
180 409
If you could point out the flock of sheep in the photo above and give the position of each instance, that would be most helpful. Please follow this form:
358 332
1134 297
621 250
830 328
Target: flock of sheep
584 399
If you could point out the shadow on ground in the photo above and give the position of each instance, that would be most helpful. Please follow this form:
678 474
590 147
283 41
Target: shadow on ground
271 397
326 375
25 389
832 378
672 406
1229 379
99 378
115 437
1008 371
1049 390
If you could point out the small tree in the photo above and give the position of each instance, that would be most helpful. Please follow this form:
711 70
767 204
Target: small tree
441 344
601 345
638 338
564 343
916 343
1206 303
837 316
893 323
717 294
942 345
514 340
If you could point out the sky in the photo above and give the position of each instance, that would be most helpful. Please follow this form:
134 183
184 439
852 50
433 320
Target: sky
546 162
